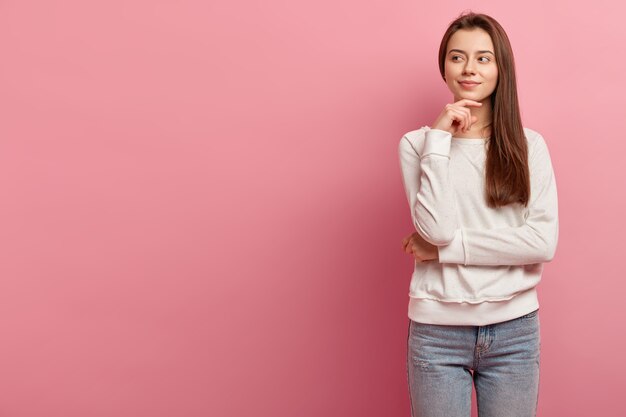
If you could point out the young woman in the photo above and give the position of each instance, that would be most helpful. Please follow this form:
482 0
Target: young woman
483 201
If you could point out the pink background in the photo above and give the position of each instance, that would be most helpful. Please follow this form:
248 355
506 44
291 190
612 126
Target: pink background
201 204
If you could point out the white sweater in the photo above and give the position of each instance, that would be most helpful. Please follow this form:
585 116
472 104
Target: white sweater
490 260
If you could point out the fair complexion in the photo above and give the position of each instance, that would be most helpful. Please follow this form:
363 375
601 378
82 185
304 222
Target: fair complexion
470 57
421 250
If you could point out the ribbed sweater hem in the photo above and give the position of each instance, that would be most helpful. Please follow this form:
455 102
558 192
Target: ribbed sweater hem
424 310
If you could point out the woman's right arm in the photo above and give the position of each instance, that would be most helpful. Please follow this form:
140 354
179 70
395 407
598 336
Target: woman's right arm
429 191
426 173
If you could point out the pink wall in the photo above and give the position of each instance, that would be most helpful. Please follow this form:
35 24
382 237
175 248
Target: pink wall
201 204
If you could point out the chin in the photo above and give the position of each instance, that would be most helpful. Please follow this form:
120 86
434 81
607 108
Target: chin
471 96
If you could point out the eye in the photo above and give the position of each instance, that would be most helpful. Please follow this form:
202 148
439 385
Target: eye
455 56
486 58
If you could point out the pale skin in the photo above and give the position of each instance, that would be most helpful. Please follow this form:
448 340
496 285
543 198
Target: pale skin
470 57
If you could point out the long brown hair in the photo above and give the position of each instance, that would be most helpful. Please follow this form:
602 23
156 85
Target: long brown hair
507 177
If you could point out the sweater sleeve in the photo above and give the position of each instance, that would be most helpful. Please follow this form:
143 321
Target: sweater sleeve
433 205
533 242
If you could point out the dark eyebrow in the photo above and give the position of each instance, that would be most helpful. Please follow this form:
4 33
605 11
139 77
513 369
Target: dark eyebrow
480 52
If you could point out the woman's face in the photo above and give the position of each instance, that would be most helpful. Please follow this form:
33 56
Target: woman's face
470 57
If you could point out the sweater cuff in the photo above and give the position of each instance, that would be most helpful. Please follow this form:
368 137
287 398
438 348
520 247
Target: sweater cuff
453 252
437 141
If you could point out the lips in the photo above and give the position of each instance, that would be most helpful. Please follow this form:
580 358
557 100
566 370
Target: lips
468 85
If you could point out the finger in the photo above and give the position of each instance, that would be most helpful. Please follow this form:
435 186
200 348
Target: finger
468 102
467 118
457 115
415 249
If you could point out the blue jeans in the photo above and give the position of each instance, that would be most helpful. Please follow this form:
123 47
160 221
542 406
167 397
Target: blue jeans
501 359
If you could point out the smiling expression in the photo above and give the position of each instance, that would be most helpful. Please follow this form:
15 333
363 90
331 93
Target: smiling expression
470 57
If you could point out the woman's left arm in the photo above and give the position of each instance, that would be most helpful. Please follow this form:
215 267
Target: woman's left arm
533 242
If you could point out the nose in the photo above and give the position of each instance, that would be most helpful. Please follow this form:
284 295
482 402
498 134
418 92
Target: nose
469 68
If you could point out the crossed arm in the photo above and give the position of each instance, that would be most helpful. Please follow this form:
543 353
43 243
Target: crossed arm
434 211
